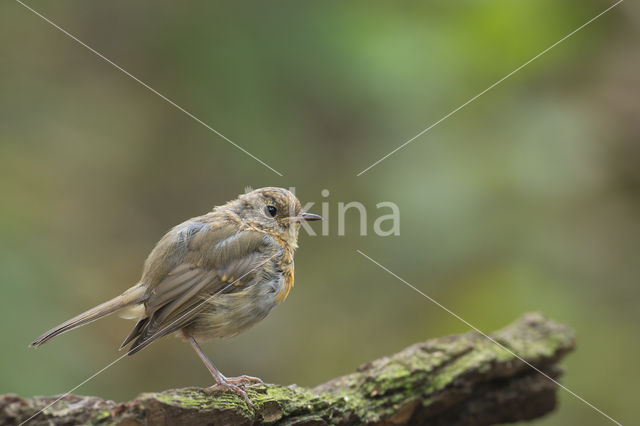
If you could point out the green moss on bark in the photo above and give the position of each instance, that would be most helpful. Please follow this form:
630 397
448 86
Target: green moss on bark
437 382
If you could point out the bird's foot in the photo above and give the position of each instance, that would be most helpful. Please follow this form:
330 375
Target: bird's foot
240 380
229 386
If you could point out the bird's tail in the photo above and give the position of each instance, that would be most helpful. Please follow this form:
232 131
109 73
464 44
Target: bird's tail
132 296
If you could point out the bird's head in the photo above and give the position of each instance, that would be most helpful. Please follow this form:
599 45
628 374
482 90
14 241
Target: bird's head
273 210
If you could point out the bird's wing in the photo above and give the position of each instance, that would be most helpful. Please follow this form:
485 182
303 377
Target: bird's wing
211 265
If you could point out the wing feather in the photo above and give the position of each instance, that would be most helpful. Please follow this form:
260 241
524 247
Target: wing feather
178 296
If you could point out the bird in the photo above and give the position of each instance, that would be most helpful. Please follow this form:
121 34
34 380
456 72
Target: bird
211 276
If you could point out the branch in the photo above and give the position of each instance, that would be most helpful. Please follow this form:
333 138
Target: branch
455 380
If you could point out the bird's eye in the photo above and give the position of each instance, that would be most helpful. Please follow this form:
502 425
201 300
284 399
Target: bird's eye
271 211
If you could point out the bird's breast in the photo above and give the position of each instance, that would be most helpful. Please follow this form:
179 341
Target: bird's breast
287 285
229 314
285 265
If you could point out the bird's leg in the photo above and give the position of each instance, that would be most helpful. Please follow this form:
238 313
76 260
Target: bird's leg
221 382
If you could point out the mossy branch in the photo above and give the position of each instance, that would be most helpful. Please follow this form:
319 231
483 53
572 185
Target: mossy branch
456 380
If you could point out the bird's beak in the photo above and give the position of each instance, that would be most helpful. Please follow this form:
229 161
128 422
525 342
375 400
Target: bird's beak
304 216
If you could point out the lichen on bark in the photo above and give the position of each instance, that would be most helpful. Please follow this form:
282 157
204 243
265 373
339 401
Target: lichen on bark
461 379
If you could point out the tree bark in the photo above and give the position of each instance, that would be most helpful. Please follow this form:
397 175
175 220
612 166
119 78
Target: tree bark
456 380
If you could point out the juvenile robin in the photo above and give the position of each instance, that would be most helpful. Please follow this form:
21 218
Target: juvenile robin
214 275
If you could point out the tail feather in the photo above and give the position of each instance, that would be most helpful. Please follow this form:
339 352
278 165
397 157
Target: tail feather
132 296
134 333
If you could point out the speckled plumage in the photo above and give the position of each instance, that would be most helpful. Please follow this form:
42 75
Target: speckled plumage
213 275
229 252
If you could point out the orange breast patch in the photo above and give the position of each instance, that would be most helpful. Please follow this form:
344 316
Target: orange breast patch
288 284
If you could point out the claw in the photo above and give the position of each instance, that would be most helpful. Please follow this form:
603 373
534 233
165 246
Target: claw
244 379
228 386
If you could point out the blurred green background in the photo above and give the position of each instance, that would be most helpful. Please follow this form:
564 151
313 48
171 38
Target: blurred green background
527 199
